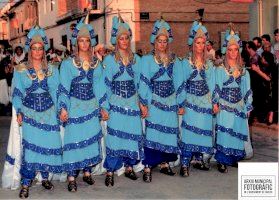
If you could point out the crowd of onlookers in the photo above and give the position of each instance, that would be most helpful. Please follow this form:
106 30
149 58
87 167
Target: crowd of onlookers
261 58
11 57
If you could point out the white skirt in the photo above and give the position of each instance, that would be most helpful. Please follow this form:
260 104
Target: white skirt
11 176
4 92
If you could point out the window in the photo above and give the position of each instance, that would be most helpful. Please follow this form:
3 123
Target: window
64 40
94 4
51 4
51 43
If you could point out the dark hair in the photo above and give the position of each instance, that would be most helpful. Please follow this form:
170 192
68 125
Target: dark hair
218 53
266 36
18 47
252 45
276 31
258 39
210 42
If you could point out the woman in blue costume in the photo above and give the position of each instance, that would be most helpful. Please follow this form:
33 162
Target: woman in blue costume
197 122
234 98
81 94
34 98
124 130
161 72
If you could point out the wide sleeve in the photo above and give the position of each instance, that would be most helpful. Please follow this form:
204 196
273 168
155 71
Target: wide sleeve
99 85
145 94
211 79
18 91
137 71
64 86
247 92
218 85
179 83
53 84
107 78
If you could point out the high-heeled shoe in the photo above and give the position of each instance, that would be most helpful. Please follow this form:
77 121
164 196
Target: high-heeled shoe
131 174
184 171
88 179
109 181
47 184
222 168
147 175
72 186
167 170
24 192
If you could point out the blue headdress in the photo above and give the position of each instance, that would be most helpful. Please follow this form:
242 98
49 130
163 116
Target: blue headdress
197 30
36 35
161 27
231 38
119 27
83 29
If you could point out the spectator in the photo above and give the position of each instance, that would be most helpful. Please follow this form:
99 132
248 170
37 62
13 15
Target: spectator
218 58
210 51
255 80
100 51
271 87
258 42
267 41
245 54
59 54
19 55
276 46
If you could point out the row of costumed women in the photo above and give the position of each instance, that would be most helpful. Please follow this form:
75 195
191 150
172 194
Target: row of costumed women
122 90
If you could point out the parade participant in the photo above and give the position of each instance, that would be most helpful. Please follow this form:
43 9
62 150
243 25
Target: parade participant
234 99
80 101
159 101
197 122
124 130
34 98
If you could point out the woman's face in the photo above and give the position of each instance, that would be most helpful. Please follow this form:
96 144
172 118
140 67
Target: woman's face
161 43
19 51
123 41
37 51
83 44
199 45
232 52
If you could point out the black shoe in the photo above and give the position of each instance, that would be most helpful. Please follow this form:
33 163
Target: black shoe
88 179
147 176
222 168
24 192
201 166
72 186
167 170
47 184
131 175
184 171
109 181
235 165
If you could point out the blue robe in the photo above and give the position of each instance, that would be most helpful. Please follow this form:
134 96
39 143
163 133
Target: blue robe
158 89
124 128
234 97
81 94
36 100
197 122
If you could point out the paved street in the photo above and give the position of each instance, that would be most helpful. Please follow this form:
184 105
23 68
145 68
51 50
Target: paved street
200 184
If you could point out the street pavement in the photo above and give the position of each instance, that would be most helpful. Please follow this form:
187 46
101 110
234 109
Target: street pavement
199 185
